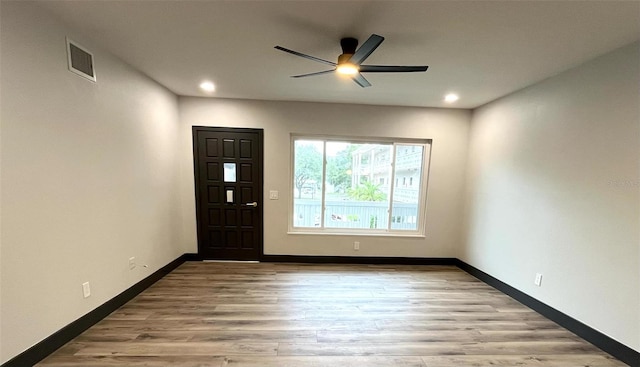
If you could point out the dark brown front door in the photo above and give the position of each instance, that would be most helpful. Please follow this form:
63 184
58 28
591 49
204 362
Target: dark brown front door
228 175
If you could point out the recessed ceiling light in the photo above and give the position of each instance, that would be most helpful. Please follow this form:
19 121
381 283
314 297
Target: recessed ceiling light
207 86
451 97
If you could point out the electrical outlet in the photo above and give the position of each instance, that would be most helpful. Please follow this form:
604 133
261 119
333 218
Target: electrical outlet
86 289
132 263
538 280
356 245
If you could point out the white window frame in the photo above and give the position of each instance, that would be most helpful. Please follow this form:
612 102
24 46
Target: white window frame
421 220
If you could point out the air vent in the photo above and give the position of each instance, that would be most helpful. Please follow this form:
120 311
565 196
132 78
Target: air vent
80 61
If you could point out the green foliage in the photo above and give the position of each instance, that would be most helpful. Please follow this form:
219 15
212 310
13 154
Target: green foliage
339 167
373 222
367 191
308 166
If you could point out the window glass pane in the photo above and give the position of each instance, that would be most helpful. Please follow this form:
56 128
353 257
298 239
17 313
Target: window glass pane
354 191
406 193
307 183
357 185
229 172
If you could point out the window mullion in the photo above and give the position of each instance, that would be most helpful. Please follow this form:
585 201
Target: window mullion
324 182
392 186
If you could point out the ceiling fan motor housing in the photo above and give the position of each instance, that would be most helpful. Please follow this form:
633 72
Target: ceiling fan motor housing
349 45
344 58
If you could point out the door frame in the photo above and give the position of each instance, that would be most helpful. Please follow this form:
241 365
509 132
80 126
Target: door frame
194 135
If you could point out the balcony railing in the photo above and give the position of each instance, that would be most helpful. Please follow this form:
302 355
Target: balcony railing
355 214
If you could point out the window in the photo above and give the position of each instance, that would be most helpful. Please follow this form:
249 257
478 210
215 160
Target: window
351 186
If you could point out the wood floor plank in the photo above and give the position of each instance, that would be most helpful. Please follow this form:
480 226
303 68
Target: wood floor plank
244 336
331 361
395 325
177 349
132 361
397 336
315 315
91 336
248 325
586 360
522 335
435 348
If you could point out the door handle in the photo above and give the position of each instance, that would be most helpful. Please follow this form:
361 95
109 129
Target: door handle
254 204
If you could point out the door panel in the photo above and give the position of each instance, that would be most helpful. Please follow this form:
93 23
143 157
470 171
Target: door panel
228 175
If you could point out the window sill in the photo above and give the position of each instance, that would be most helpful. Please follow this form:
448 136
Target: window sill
356 234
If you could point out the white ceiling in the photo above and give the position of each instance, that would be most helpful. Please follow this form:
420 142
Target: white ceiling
480 49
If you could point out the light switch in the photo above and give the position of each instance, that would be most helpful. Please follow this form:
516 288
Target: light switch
273 195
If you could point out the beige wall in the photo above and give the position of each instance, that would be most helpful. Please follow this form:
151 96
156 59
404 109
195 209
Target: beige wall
88 179
93 174
448 129
553 188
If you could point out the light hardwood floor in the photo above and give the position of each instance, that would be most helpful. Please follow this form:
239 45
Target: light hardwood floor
303 315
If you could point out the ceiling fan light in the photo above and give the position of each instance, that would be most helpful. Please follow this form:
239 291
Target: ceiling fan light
347 69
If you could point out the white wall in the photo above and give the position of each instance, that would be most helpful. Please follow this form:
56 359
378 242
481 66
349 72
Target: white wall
553 187
447 128
88 179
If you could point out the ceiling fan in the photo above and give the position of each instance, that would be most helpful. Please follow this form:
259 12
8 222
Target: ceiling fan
350 62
